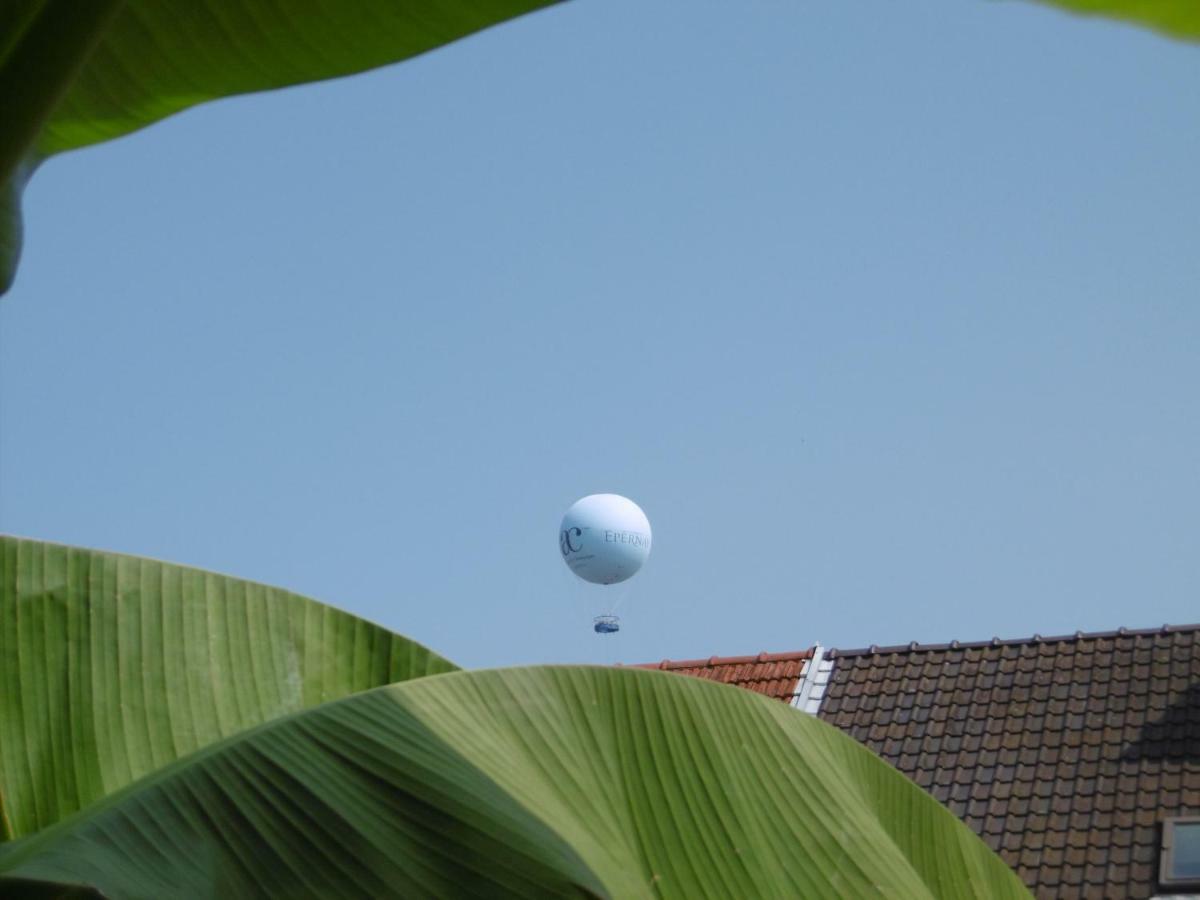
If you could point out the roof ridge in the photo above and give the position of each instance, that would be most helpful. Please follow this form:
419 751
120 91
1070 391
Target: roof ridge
1011 642
763 657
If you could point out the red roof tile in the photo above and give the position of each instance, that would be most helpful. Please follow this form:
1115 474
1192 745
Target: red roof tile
773 674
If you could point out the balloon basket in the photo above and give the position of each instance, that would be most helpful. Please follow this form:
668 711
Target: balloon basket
606 624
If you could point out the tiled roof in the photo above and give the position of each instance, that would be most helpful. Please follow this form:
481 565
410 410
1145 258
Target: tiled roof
1065 753
773 674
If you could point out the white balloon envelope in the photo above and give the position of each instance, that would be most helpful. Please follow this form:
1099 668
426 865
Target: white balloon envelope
605 538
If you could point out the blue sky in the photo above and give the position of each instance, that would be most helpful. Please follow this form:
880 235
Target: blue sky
886 314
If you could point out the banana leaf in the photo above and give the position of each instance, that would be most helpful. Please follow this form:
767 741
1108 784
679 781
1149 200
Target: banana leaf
73 74
112 667
1174 18
535 782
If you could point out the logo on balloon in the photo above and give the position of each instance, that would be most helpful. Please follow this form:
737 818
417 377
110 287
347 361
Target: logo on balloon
633 538
565 542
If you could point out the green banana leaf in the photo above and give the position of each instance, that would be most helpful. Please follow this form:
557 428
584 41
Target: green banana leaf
74 73
548 781
112 667
1175 18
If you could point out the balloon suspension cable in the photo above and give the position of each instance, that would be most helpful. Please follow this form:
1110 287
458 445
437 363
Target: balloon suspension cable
621 594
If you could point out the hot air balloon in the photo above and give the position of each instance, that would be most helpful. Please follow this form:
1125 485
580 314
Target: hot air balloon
605 539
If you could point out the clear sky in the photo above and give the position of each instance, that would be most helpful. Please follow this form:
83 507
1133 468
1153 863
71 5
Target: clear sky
886 313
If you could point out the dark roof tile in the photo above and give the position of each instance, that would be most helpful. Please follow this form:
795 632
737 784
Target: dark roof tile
1065 753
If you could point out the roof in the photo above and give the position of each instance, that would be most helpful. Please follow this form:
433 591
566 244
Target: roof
773 674
1065 753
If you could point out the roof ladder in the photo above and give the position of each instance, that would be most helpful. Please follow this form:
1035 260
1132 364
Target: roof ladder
817 672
